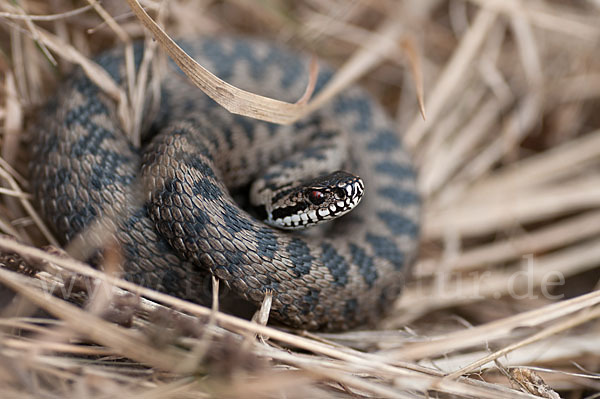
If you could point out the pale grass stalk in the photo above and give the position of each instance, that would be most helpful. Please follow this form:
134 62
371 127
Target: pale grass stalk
574 88
556 235
565 21
484 182
528 50
532 273
125 110
69 313
541 169
555 349
245 103
68 369
450 123
556 311
18 56
14 193
495 81
230 97
13 123
495 330
519 124
452 76
345 31
330 21
140 93
93 71
477 390
48 346
173 360
29 209
33 30
317 24
33 73
422 382
14 173
127 342
23 323
583 317
365 58
50 17
224 320
8 228
465 108
436 173
469 217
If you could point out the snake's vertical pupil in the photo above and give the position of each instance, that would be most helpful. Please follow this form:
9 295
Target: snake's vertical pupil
316 197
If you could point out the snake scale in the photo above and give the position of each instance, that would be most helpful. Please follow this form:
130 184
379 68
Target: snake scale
187 226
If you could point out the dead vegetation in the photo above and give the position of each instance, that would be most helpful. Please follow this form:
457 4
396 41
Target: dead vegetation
503 301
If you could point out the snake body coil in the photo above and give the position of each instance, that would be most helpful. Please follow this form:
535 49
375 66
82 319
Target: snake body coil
186 225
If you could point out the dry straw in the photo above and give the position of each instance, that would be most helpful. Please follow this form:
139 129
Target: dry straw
502 303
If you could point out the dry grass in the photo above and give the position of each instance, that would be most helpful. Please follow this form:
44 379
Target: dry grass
502 304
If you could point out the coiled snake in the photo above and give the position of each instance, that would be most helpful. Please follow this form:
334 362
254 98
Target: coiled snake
187 225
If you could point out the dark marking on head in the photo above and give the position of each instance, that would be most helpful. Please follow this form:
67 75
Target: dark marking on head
282 194
280 213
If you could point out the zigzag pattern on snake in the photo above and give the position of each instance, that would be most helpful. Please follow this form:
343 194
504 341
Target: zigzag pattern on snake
347 273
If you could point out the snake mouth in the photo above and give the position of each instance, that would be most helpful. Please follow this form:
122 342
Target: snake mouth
317 201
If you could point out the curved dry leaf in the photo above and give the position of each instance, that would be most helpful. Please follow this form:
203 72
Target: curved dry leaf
233 99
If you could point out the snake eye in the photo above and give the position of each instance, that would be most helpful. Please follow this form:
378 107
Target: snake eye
316 197
340 193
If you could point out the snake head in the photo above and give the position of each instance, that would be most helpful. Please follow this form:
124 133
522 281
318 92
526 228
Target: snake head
315 201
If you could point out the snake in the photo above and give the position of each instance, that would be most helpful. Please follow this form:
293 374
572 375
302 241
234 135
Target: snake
210 194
